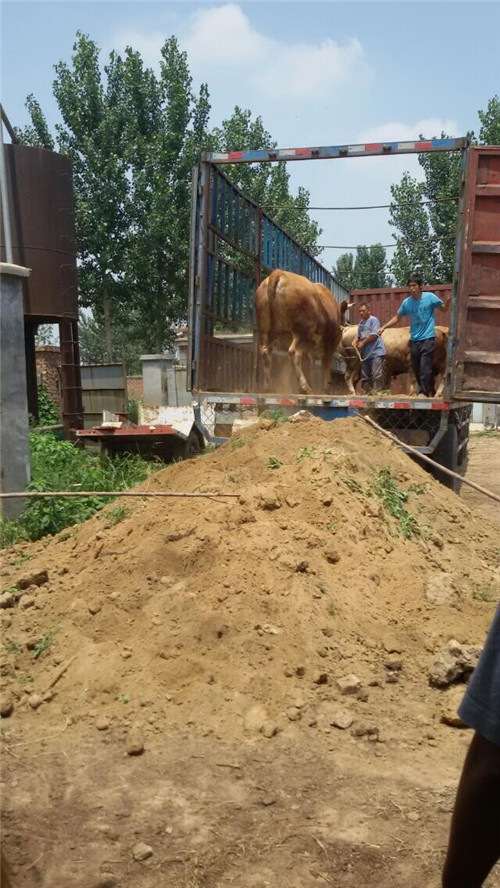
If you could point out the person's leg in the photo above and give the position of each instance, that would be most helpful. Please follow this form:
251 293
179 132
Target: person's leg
378 367
366 375
474 843
415 361
426 374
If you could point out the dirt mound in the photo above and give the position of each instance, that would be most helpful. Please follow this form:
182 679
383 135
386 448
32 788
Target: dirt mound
317 597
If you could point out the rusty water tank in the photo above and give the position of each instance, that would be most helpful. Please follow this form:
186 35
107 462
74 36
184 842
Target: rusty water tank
43 231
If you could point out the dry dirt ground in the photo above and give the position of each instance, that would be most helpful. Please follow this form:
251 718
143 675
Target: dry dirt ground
483 467
174 673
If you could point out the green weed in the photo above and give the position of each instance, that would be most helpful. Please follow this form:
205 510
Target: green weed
307 453
275 414
26 679
114 516
393 499
23 558
45 642
124 698
238 442
13 648
273 462
352 484
9 589
332 528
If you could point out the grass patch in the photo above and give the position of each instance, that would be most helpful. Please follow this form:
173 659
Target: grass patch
114 516
393 499
307 453
60 465
124 698
238 442
45 641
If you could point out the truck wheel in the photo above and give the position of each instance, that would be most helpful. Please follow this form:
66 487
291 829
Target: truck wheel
446 454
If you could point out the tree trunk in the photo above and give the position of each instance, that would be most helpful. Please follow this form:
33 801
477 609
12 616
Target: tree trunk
107 325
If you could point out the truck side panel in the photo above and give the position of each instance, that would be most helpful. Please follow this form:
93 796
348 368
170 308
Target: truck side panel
476 371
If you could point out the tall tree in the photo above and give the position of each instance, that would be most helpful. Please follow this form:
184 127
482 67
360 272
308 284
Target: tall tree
427 231
367 269
92 134
166 129
267 184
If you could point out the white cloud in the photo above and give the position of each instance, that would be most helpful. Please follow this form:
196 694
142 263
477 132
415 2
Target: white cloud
430 128
224 37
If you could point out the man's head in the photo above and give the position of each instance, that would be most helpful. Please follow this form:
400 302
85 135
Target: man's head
364 312
415 283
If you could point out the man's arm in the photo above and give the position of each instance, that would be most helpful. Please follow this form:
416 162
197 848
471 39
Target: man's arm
392 323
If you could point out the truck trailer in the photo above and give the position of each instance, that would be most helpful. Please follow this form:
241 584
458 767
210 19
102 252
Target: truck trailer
235 244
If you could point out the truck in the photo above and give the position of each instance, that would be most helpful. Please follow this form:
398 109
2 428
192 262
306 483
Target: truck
235 244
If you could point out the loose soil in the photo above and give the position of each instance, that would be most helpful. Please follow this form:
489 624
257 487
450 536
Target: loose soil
219 632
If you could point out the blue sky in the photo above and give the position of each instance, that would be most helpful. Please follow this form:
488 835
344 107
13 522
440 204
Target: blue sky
319 73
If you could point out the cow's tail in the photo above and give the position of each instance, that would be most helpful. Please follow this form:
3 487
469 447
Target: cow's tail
272 286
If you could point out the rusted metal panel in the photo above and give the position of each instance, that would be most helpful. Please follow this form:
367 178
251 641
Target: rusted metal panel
43 231
384 302
476 370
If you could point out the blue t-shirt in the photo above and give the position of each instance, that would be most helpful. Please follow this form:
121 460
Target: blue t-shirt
480 708
421 314
376 348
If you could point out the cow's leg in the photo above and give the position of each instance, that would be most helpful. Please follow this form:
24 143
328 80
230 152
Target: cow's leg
296 352
266 352
439 378
348 378
327 372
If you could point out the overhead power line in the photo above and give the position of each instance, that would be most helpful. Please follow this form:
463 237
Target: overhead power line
371 207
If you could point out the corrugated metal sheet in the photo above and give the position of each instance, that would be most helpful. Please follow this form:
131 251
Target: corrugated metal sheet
104 387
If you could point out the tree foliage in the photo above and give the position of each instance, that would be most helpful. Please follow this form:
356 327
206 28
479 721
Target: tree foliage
424 212
367 269
266 183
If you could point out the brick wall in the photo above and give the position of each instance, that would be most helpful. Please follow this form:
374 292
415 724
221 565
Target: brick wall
48 368
135 388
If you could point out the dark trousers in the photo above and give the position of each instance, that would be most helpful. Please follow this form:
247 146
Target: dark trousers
422 353
372 373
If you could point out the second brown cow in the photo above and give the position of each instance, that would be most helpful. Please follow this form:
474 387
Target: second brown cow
297 315
397 344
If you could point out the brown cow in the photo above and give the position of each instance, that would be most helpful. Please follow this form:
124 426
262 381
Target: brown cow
397 344
294 313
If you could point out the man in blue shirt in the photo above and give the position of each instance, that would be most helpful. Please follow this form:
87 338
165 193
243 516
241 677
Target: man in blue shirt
420 306
371 349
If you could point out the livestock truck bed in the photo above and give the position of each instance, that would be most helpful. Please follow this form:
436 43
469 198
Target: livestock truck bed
235 244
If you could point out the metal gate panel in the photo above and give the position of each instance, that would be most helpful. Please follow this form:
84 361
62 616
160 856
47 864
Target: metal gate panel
234 245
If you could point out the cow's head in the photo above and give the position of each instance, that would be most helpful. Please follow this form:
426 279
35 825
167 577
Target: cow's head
344 306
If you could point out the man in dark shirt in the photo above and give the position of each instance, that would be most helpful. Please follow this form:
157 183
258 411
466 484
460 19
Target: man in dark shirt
474 844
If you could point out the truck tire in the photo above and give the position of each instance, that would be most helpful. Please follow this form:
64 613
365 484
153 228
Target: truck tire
446 454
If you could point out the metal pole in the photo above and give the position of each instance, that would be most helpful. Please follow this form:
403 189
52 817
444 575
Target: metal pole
4 197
